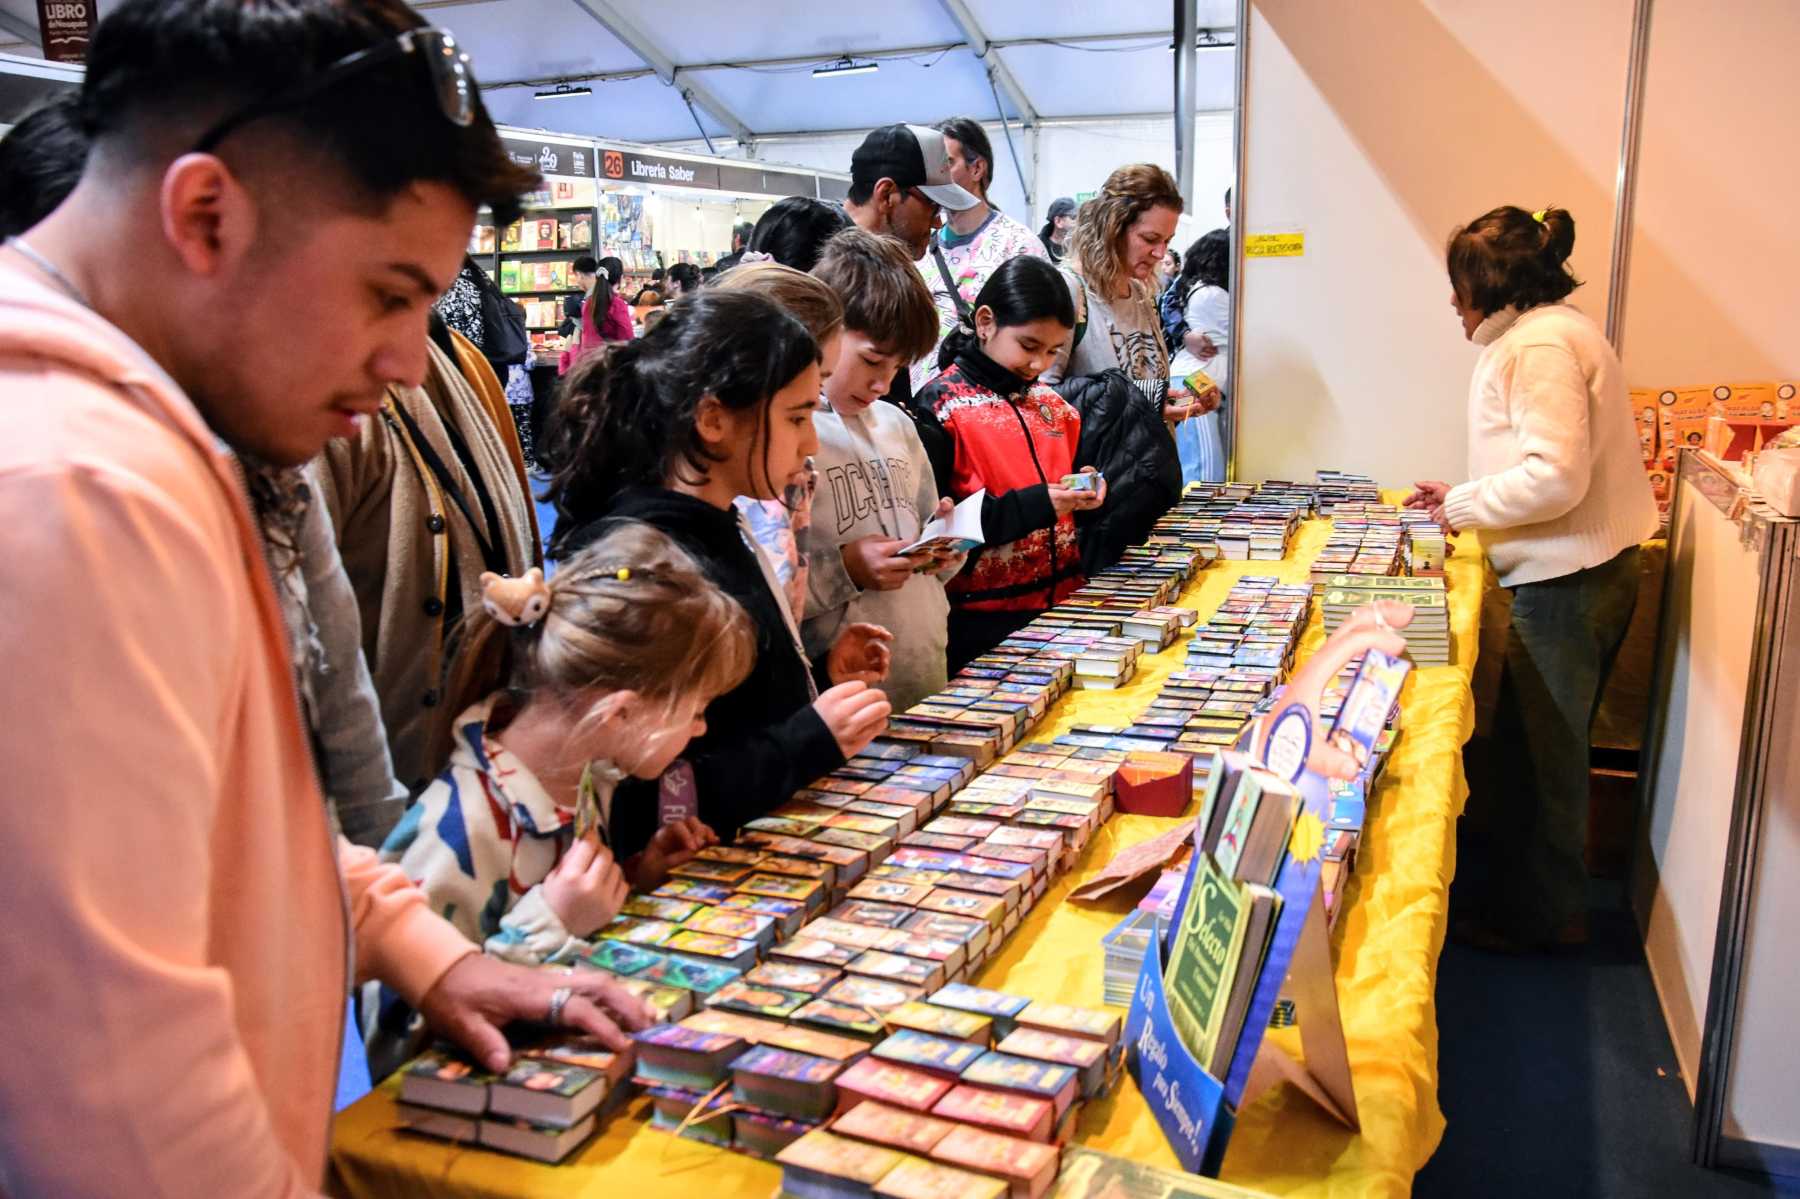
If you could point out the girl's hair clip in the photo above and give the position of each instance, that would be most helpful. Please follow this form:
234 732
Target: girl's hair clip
750 256
515 603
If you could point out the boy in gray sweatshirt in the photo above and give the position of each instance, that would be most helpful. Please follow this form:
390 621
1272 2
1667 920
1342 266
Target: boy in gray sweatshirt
876 490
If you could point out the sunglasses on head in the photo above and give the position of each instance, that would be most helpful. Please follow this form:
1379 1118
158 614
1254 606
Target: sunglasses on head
451 74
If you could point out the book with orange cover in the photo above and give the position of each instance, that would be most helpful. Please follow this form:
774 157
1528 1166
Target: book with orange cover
916 1178
1028 1167
823 1163
895 1127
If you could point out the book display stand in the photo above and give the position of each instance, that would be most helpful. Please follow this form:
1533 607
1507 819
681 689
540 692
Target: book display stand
1196 1110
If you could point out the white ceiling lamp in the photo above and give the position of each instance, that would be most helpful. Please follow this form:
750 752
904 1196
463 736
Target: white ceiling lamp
564 91
845 66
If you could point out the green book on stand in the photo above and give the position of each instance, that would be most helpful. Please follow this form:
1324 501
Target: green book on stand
1204 949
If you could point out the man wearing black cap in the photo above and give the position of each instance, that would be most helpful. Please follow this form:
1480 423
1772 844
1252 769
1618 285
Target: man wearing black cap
1059 222
900 184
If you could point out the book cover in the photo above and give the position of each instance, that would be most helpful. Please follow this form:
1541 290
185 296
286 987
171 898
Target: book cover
1094 1024
444 1079
816 950
1029 1165
621 957
659 907
982 1001
793 976
738 954
639 931
758 1000
943 1022
915 1178
825 1157
1005 1072
688 888
701 977
780 886
872 994
1203 953
584 1051
998 1111
742 926
726 873
875 915
943 1056
916 972
858 936
547 1092
840 1018
889 892
895 1127
988 908
900 1086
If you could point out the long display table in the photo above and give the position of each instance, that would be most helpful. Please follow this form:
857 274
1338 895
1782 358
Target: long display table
1386 948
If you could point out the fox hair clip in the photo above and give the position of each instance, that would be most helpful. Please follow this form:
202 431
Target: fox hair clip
515 603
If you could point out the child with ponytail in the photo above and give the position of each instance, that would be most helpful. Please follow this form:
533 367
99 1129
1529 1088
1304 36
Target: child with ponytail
715 403
608 667
1014 437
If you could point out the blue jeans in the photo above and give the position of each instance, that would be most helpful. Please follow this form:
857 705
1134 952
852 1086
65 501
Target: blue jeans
1564 638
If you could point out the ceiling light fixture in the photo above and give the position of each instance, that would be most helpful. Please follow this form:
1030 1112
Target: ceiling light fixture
564 91
845 66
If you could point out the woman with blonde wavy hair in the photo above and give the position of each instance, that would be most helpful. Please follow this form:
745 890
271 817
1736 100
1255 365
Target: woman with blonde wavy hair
1120 238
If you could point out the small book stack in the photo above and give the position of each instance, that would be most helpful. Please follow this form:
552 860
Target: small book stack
544 1107
1337 488
1427 637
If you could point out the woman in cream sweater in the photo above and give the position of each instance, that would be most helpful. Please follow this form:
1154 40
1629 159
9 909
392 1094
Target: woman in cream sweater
1558 490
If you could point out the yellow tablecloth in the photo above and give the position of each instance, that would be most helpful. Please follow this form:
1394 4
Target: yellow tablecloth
1386 946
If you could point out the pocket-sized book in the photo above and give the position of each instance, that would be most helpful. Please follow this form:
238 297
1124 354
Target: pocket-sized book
545 1142
1003 1112
751 999
885 1082
916 1178
1028 1167
792 1084
444 1079
794 976
671 1055
822 1165
545 1092
942 1057
1025 1076
1087 1058
1002 1008
917 972
895 1127
943 1022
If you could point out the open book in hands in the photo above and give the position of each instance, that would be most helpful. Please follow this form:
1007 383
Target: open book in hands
955 534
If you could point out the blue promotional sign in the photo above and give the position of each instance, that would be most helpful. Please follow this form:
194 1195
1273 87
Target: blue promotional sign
1186 1101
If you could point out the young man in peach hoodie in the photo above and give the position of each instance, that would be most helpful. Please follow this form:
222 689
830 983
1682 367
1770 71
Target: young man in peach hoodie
275 195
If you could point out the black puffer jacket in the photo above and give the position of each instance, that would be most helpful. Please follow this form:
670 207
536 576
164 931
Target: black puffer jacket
1122 434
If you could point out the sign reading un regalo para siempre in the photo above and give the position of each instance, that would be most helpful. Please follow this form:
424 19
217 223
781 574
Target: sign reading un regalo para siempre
66 26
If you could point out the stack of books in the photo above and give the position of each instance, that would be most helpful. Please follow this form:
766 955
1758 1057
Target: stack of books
1337 487
1127 942
1261 529
1427 637
544 1107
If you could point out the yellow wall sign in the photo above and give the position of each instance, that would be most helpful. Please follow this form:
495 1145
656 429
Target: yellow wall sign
1275 245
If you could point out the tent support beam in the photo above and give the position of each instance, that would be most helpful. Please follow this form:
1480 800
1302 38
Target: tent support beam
1187 94
692 92
999 74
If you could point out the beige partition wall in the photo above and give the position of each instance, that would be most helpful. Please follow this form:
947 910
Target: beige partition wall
1714 286
1375 128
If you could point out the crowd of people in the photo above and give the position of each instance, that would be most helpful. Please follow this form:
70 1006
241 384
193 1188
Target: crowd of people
305 702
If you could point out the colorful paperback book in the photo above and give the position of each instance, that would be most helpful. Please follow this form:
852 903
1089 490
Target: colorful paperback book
942 1056
966 929
872 994
1043 1080
739 955
793 976
841 1018
755 1000
943 1022
787 914
688 888
1002 1008
1093 1024
547 1092
895 1127
888 891
875 915
726 873
886 1082
858 936
816 949
916 1178
1028 1166
621 957
444 1079
658 907
639 931
918 972
808 891
743 926
701 977
1087 1058
822 1163
998 1111
988 908
680 1056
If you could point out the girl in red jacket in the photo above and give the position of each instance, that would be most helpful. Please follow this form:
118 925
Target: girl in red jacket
1015 438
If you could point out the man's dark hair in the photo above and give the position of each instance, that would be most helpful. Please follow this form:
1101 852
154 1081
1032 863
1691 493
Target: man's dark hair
740 235
968 133
795 229
161 72
587 264
1512 258
41 159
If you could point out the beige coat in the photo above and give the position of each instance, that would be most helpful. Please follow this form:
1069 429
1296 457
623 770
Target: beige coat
413 557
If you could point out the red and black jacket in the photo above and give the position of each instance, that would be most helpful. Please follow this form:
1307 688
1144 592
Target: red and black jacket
1014 439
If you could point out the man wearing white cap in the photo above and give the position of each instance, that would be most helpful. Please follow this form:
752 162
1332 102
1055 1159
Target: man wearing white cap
900 184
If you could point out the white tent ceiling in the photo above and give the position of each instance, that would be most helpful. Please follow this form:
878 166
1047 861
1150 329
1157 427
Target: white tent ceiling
1085 60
